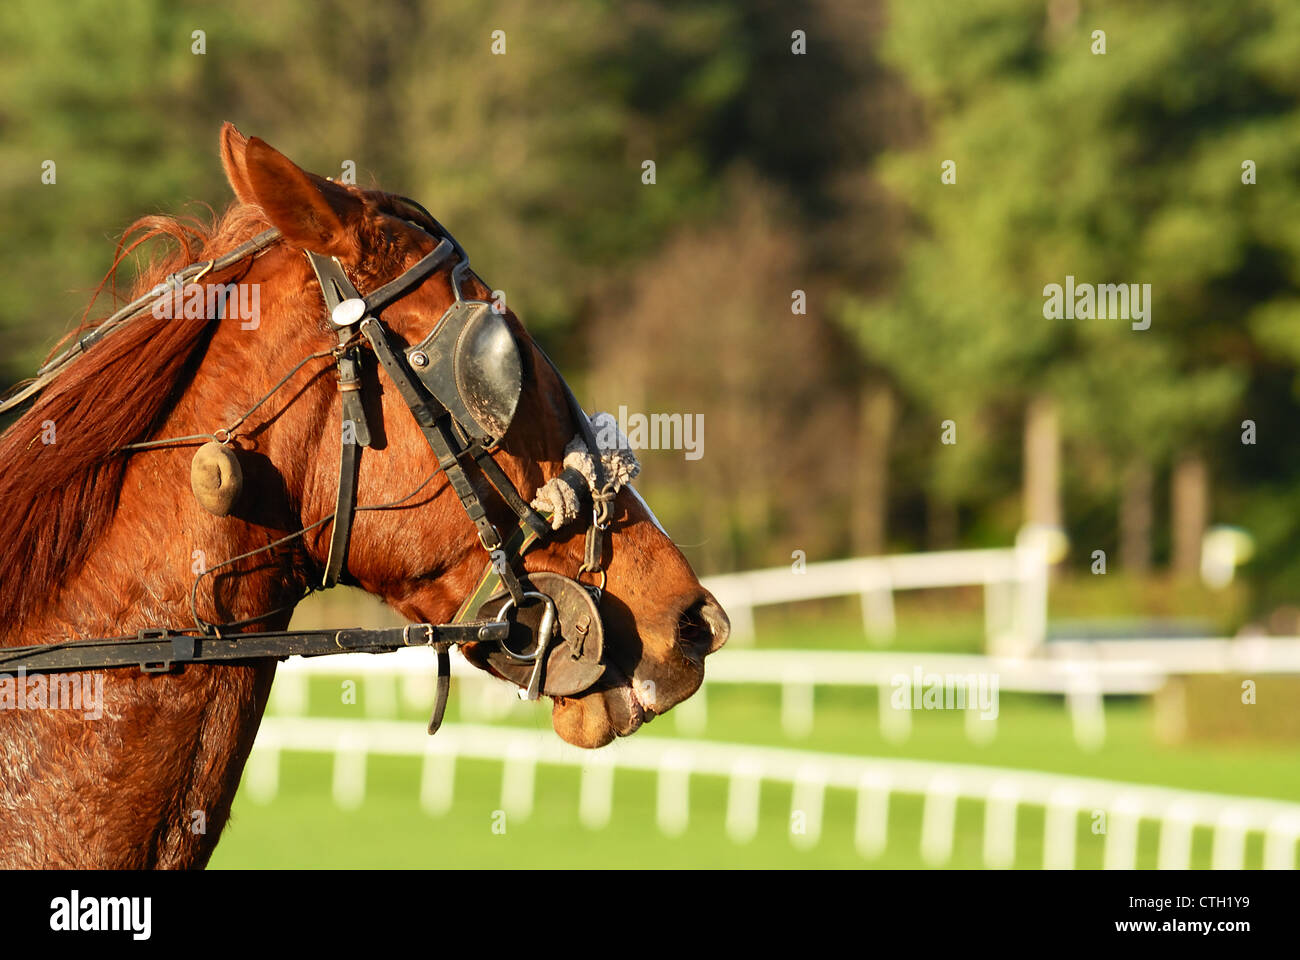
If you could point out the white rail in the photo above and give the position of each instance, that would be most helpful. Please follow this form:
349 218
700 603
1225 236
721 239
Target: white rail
1014 580
1084 684
1094 672
1244 654
1002 791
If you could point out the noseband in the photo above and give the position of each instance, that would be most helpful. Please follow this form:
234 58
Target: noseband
462 384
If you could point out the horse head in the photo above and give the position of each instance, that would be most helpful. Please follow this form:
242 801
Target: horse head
424 556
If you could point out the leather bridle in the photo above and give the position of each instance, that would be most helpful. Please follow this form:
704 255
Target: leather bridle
559 652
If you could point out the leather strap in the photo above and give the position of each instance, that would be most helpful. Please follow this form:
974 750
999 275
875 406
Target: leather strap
155 651
345 507
490 581
501 483
146 301
395 289
434 423
442 687
355 434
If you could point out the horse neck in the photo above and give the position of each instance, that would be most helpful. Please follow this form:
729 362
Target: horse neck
186 734
140 572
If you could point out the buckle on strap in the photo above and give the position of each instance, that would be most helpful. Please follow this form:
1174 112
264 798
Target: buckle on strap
183 649
488 535
428 635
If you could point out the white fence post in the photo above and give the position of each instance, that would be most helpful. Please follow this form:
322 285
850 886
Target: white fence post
1122 824
1175 852
895 724
807 802
674 797
1060 831
999 615
743 791
262 773
981 730
878 607
518 779
871 833
693 714
1000 824
1229 852
797 704
437 779
939 820
350 771
1087 709
1279 842
596 795
1030 631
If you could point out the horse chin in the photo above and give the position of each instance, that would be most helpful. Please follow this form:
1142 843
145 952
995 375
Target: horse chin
595 718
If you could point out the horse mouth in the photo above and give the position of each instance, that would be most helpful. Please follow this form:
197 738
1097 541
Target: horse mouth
630 705
608 709
611 707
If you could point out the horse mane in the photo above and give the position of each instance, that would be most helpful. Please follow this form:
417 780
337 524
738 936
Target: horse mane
57 499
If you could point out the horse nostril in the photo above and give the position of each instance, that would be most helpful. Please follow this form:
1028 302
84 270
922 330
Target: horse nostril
691 626
703 626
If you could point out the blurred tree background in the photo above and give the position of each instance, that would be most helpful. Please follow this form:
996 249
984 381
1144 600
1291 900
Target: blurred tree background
798 147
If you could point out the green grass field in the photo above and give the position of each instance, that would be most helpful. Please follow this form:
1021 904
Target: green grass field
302 827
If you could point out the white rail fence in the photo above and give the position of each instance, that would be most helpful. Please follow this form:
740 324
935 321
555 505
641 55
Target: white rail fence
1014 581
408 674
1084 674
1002 792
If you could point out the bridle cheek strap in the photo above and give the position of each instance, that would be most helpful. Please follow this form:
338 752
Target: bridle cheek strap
355 433
346 308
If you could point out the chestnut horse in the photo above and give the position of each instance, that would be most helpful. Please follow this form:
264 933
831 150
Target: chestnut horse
97 541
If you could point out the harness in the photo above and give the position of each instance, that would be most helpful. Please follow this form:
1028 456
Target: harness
462 385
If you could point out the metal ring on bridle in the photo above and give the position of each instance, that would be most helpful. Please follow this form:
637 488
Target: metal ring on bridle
547 618
600 587
600 505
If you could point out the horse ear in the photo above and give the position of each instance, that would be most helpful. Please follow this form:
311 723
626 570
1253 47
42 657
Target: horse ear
233 145
310 211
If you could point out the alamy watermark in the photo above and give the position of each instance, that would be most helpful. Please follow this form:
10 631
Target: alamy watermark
658 431
945 691
211 301
53 691
1101 301
75 913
